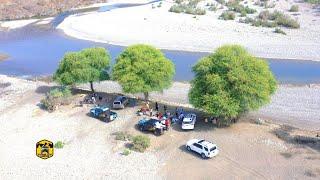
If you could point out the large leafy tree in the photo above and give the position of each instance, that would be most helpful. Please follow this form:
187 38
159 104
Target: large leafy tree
88 65
230 82
143 69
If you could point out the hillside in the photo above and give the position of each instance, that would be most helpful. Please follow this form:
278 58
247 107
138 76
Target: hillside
17 9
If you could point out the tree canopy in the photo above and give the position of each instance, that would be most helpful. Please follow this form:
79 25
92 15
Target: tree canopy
230 82
143 69
88 65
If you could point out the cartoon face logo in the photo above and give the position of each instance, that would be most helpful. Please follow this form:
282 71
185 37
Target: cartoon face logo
44 149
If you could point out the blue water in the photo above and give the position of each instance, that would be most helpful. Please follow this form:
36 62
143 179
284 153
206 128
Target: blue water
37 52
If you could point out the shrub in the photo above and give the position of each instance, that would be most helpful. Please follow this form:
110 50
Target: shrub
56 97
312 1
264 23
213 8
59 145
190 8
279 31
239 8
140 143
278 18
227 15
294 8
264 15
123 136
176 9
178 1
126 152
286 21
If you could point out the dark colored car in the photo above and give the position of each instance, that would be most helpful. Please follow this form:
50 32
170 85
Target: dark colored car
152 125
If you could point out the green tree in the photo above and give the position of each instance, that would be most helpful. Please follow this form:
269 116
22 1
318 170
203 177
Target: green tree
88 65
230 82
143 69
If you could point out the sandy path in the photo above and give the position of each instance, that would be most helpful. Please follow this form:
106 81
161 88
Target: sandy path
167 30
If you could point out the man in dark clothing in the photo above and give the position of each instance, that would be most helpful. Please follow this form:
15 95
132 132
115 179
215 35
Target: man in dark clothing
157 106
165 109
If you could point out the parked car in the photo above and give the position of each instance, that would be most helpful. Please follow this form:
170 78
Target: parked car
104 113
205 148
153 125
189 121
120 102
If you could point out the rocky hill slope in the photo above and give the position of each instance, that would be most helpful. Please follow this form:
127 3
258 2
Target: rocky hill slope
17 9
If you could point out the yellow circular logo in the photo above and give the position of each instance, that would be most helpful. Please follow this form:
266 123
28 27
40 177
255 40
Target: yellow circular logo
44 149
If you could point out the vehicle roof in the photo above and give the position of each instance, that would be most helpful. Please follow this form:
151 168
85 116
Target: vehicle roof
189 117
206 143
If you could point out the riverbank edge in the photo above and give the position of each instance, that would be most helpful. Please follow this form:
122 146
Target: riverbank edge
183 49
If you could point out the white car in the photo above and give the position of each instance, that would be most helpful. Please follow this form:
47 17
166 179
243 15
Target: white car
189 121
205 148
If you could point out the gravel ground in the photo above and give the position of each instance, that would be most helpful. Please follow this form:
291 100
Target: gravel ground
88 153
295 105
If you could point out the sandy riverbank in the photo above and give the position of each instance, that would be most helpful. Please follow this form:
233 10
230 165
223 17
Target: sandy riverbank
247 150
166 30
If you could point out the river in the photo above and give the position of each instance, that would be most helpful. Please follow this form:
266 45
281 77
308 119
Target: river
37 51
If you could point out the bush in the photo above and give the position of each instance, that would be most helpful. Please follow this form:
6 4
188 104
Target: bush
140 143
239 8
59 145
126 152
312 1
213 8
294 8
278 18
286 21
190 8
227 15
123 136
279 31
56 97
176 9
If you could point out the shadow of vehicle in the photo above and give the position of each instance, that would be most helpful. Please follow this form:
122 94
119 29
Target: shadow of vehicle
185 150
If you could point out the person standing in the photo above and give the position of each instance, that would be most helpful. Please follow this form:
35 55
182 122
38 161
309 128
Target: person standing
157 106
165 109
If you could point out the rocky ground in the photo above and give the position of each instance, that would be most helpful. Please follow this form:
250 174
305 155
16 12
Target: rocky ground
17 9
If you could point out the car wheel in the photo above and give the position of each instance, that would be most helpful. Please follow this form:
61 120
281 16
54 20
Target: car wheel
141 128
203 156
188 147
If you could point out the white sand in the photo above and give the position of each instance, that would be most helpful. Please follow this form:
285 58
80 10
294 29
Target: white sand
17 23
167 30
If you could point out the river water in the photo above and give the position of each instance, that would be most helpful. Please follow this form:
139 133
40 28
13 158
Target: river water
37 51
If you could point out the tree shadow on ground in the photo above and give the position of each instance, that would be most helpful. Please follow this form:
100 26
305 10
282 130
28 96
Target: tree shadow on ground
284 133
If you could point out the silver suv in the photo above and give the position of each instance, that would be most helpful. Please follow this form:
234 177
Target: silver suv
120 102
